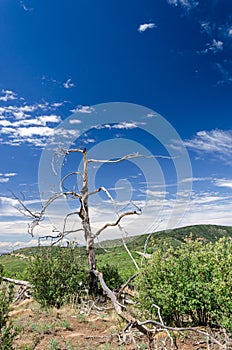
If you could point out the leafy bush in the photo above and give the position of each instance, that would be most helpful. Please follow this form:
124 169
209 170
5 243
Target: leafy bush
111 276
191 284
56 274
7 331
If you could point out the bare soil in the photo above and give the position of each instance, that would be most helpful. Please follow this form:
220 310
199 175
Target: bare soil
71 329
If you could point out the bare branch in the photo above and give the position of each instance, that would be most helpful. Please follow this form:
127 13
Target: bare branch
25 210
129 156
126 284
17 282
39 216
118 307
94 192
74 150
67 216
116 222
180 330
67 176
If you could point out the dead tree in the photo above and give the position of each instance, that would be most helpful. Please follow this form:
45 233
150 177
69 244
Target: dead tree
83 213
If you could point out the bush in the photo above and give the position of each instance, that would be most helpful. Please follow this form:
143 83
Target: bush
7 331
111 276
57 274
191 284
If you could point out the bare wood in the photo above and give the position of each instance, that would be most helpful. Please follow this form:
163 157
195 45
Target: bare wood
111 295
181 329
17 282
126 284
74 150
129 156
67 176
116 222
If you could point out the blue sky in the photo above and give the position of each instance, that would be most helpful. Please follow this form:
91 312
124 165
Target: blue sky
72 61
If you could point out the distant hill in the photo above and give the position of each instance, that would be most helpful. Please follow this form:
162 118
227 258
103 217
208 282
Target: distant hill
208 233
112 251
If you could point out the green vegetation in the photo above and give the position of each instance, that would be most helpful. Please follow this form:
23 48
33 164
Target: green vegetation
13 265
56 274
189 279
113 253
191 284
7 331
111 276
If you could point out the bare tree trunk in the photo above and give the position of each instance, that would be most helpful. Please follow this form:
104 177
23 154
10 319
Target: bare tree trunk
89 237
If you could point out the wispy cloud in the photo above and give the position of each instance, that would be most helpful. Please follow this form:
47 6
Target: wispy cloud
217 142
24 6
216 34
186 4
223 183
120 126
225 70
145 26
68 84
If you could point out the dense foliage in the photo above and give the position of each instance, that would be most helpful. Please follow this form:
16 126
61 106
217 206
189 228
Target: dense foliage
191 284
7 331
56 274
111 276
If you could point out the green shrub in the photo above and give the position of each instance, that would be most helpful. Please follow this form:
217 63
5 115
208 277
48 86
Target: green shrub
111 276
56 274
7 331
191 284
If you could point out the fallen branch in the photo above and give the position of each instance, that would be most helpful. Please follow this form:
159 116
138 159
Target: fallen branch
17 282
177 329
126 284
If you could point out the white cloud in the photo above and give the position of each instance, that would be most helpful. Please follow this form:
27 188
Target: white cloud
8 95
223 183
196 179
126 125
75 121
218 142
88 140
9 174
82 109
68 84
27 123
6 177
145 26
57 104
49 119
215 46
120 126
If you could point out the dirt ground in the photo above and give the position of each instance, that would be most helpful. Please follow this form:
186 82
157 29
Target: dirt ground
71 329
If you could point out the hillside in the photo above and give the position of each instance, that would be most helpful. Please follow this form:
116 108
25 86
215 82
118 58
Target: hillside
209 233
112 251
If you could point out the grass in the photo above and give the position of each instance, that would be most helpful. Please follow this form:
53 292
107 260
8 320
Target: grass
14 266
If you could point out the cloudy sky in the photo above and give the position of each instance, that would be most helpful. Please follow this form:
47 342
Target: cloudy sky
63 67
